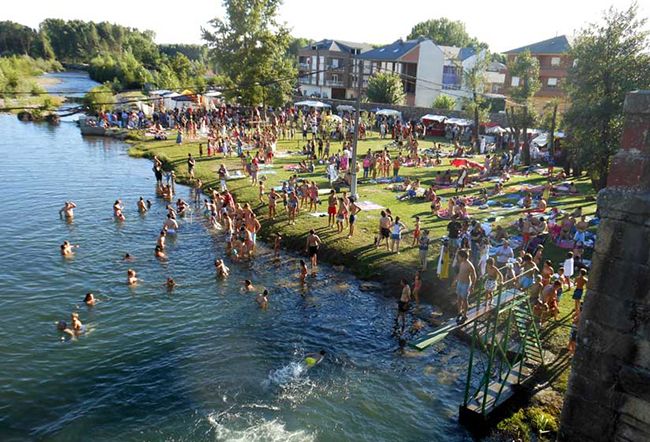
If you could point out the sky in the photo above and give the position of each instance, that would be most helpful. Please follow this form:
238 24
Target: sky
503 24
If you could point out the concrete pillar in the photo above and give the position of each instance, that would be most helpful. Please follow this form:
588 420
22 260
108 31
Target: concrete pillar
608 397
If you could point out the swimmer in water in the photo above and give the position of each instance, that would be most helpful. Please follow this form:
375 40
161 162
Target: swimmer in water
142 206
131 277
276 246
68 210
262 299
220 267
90 300
127 257
303 271
149 204
160 243
159 253
66 248
76 323
312 359
118 210
248 286
170 224
62 326
170 284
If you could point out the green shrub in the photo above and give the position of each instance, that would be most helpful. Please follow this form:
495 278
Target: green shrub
516 426
541 421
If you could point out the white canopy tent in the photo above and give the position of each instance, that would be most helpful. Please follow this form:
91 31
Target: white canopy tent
389 113
459 122
345 108
495 130
432 117
312 103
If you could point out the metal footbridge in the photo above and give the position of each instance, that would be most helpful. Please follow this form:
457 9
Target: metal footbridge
505 348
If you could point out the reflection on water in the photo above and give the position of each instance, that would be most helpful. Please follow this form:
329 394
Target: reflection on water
202 362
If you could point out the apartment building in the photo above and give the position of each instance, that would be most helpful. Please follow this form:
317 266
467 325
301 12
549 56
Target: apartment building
554 63
427 69
325 68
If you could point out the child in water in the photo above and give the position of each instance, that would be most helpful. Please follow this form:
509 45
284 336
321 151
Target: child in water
262 299
303 271
220 267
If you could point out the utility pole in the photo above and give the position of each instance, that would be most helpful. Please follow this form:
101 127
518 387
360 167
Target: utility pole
355 140
551 141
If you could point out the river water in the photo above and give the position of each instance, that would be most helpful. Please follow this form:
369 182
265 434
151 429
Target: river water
202 362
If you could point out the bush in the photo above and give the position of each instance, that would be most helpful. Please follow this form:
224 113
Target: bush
516 426
541 421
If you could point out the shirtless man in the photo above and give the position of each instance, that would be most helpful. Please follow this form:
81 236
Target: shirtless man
90 300
160 243
311 247
142 205
384 229
131 277
331 209
159 253
220 267
403 303
170 224
494 278
464 280
353 212
67 210
248 286
273 198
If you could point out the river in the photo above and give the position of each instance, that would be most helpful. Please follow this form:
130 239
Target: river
202 362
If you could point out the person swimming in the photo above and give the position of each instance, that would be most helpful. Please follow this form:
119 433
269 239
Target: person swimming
127 257
170 284
312 359
68 210
66 248
248 286
142 206
159 253
262 299
90 300
221 268
131 277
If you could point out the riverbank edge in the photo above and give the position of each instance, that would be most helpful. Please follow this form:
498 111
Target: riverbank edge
385 277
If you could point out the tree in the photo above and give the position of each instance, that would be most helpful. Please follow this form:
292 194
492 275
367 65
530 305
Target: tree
99 98
611 59
385 87
550 120
249 47
445 32
444 102
525 67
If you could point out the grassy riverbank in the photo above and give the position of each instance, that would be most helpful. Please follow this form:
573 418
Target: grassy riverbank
358 254
20 85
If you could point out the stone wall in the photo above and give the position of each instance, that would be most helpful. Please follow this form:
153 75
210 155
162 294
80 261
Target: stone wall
608 397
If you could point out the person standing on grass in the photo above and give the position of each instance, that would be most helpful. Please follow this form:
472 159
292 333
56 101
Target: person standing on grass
223 175
191 162
353 212
396 234
396 165
341 214
331 209
465 279
273 198
312 246
578 293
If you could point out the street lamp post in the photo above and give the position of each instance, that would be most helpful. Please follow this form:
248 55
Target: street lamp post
355 139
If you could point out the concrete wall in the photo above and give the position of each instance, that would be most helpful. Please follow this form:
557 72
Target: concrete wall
608 396
429 74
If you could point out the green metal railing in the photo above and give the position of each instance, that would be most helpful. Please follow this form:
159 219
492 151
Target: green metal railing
512 305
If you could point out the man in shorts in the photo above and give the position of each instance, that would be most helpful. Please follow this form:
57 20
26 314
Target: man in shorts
464 281
313 242
384 229
331 209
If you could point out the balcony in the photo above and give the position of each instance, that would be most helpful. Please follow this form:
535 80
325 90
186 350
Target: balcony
305 80
304 66
335 83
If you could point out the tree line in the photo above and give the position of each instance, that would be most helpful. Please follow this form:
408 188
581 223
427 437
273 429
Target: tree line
126 57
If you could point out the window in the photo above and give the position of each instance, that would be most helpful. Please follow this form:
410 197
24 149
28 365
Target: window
335 62
514 82
335 78
555 61
552 82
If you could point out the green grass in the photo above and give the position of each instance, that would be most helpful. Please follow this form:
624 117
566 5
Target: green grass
357 253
